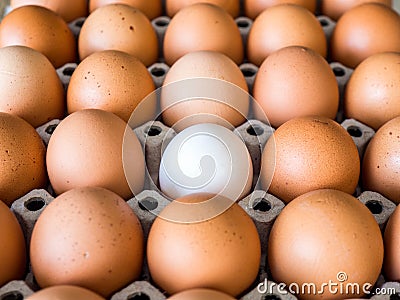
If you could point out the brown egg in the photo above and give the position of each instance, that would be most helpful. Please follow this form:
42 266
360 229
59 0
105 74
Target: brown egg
202 26
65 292
41 29
281 26
309 153
201 294
372 94
323 237
68 10
356 37
252 8
151 8
13 251
295 82
36 96
88 237
381 163
119 27
204 64
231 6
392 245
334 9
91 85
22 158
86 150
193 246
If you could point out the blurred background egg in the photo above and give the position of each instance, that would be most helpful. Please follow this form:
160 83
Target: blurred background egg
372 94
252 8
284 25
392 246
365 30
65 292
381 162
119 27
41 29
202 26
294 82
231 6
88 237
151 8
309 153
201 294
86 150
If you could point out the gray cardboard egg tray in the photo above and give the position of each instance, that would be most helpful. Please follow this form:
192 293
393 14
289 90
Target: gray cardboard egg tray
262 207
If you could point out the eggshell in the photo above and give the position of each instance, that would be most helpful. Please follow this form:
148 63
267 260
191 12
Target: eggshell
372 94
201 294
365 30
326 236
310 153
295 82
41 29
37 97
204 64
110 80
86 150
68 10
65 292
221 252
284 25
381 163
231 6
119 27
202 26
151 8
87 237
392 246
12 247
252 8
22 158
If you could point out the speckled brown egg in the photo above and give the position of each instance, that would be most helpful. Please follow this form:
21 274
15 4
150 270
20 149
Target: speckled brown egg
65 292
88 237
356 36
36 96
119 27
372 94
392 246
151 8
284 25
12 247
231 6
86 150
111 80
381 163
322 237
252 8
202 26
193 243
22 158
201 294
294 82
41 29
309 153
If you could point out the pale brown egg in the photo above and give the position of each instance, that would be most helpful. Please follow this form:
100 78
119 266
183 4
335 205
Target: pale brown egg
22 158
88 237
111 80
381 163
13 249
41 29
334 9
68 10
252 8
365 30
231 6
119 27
326 236
86 150
295 82
29 86
372 94
151 8
392 245
309 153
281 26
192 244
65 292
201 294
202 26
232 108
